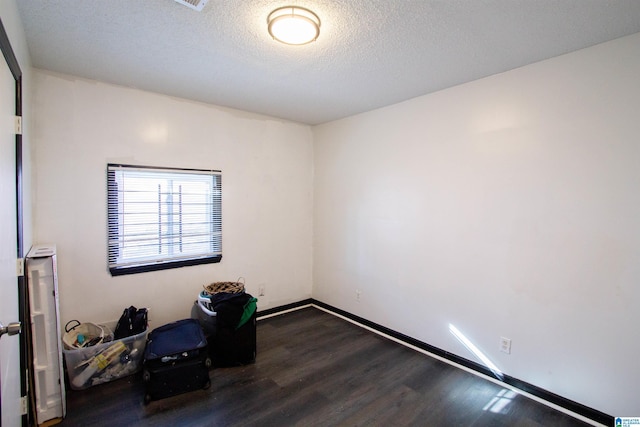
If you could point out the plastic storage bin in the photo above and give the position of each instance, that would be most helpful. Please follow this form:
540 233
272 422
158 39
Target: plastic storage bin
105 362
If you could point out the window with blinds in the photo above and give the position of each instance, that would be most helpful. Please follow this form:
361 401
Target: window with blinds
162 218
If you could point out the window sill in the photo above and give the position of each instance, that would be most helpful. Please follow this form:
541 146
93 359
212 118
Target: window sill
143 268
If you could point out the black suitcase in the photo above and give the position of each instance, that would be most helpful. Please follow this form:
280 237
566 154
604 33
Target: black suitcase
233 346
176 360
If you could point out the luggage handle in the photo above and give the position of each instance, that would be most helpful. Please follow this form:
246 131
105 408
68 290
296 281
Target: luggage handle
66 327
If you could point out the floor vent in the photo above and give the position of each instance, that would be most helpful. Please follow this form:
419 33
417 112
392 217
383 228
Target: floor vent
193 4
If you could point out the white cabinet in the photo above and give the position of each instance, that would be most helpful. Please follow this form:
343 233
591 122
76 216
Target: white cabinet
48 373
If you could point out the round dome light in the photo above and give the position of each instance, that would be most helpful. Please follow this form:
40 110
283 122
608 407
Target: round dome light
293 25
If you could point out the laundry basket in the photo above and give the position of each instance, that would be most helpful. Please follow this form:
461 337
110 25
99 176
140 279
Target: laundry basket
204 298
79 335
228 287
203 311
204 301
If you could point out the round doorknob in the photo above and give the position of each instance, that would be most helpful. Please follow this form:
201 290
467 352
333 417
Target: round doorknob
12 328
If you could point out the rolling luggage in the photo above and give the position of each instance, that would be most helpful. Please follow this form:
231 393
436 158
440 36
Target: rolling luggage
176 360
234 342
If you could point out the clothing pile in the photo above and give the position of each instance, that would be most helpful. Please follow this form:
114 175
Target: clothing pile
234 307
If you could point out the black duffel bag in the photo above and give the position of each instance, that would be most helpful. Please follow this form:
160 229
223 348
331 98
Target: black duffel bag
132 322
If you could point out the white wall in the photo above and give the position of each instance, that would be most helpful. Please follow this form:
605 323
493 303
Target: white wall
508 206
267 198
13 26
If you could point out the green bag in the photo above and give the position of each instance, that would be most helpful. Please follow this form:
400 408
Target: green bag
249 309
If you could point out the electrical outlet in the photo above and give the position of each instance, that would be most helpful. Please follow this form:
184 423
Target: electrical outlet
505 345
358 293
261 290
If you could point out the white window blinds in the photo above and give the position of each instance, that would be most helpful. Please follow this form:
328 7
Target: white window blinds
162 218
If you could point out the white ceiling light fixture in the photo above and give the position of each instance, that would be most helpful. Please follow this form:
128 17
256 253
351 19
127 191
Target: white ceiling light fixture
293 25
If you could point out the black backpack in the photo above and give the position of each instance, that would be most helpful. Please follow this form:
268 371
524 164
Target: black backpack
132 322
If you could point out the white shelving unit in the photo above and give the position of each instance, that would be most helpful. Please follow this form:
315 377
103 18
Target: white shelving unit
48 372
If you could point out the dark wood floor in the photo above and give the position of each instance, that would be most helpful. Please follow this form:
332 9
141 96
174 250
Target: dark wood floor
314 369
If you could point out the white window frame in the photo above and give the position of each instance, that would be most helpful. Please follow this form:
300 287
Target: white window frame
160 218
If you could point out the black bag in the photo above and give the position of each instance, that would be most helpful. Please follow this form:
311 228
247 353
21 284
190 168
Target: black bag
232 344
132 322
229 308
233 347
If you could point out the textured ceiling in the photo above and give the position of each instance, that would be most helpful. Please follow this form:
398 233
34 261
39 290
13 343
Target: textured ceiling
370 53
